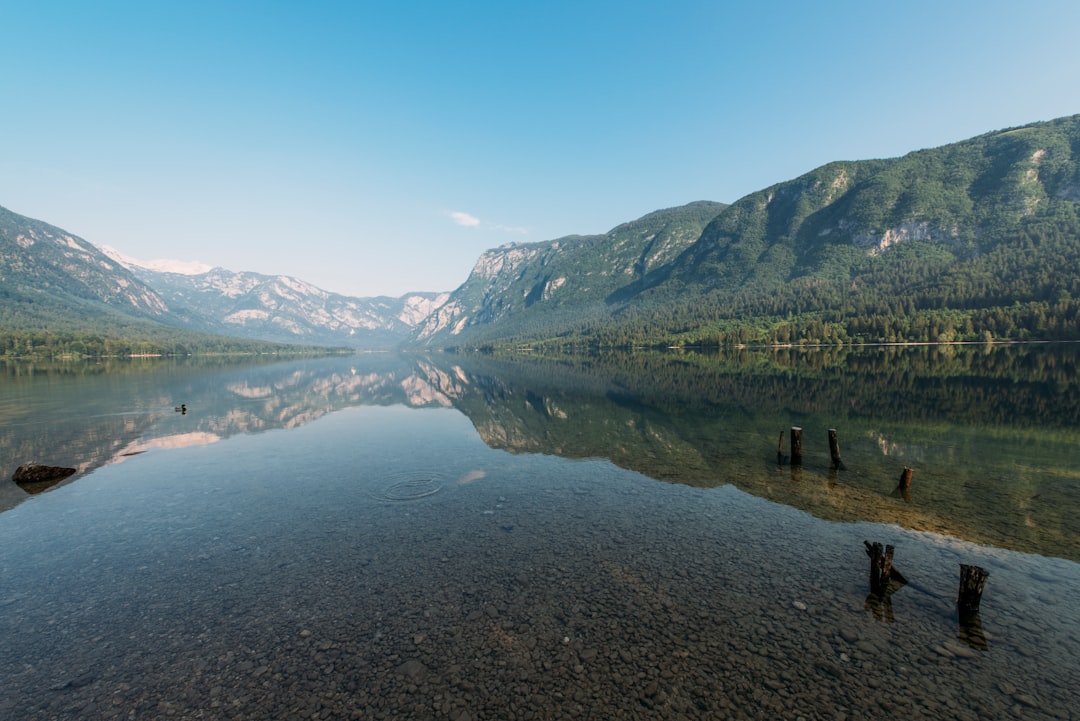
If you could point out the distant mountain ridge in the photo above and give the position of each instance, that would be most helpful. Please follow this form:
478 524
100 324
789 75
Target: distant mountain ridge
56 282
162 265
288 310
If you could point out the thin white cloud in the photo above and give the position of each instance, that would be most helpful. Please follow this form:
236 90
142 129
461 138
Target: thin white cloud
470 221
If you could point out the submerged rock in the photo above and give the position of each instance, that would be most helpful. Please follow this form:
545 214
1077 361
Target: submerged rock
413 669
33 478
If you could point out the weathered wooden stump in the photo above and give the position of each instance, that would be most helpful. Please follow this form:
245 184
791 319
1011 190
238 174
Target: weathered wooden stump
972 582
796 446
834 450
881 569
903 486
880 565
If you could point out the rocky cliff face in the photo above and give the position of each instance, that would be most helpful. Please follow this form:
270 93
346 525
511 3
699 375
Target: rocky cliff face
571 278
488 294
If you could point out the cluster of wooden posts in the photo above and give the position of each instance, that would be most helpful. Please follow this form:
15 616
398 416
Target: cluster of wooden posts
884 577
903 486
796 448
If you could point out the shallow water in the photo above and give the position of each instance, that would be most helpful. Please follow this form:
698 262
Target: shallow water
376 559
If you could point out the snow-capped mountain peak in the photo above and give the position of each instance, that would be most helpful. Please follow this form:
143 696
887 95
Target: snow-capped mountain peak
162 265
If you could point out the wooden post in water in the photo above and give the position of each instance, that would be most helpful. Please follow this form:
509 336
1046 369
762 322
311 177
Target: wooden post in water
796 446
903 486
880 565
780 450
972 582
884 580
834 450
881 568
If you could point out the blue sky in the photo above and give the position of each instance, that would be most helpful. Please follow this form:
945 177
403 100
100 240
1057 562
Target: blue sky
376 148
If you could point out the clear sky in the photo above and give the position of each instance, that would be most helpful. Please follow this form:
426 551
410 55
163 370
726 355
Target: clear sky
376 148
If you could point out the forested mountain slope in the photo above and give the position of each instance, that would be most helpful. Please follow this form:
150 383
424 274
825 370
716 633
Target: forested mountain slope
43 266
62 296
536 289
977 240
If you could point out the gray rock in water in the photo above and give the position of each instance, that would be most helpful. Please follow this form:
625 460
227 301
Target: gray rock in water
34 478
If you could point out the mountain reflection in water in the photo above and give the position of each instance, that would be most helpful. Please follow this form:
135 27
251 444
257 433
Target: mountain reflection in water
990 432
377 560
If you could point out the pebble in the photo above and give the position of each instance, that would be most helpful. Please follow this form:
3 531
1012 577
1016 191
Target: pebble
848 635
413 668
1026 700
960 650
799 605
829 668
866 647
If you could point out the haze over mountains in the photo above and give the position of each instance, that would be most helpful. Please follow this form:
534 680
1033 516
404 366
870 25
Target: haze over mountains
46 273
285 309
975 240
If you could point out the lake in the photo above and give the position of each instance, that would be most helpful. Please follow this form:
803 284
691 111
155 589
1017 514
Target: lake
479 537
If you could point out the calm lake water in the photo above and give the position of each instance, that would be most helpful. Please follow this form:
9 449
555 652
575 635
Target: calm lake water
447 537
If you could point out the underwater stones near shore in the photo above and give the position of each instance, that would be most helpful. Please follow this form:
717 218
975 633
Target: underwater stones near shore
598 612
413 669
34 478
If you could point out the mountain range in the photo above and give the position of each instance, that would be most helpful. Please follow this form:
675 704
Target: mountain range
285 309
977 240
52 279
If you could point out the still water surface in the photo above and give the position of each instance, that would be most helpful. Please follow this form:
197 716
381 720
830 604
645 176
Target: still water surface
474 538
